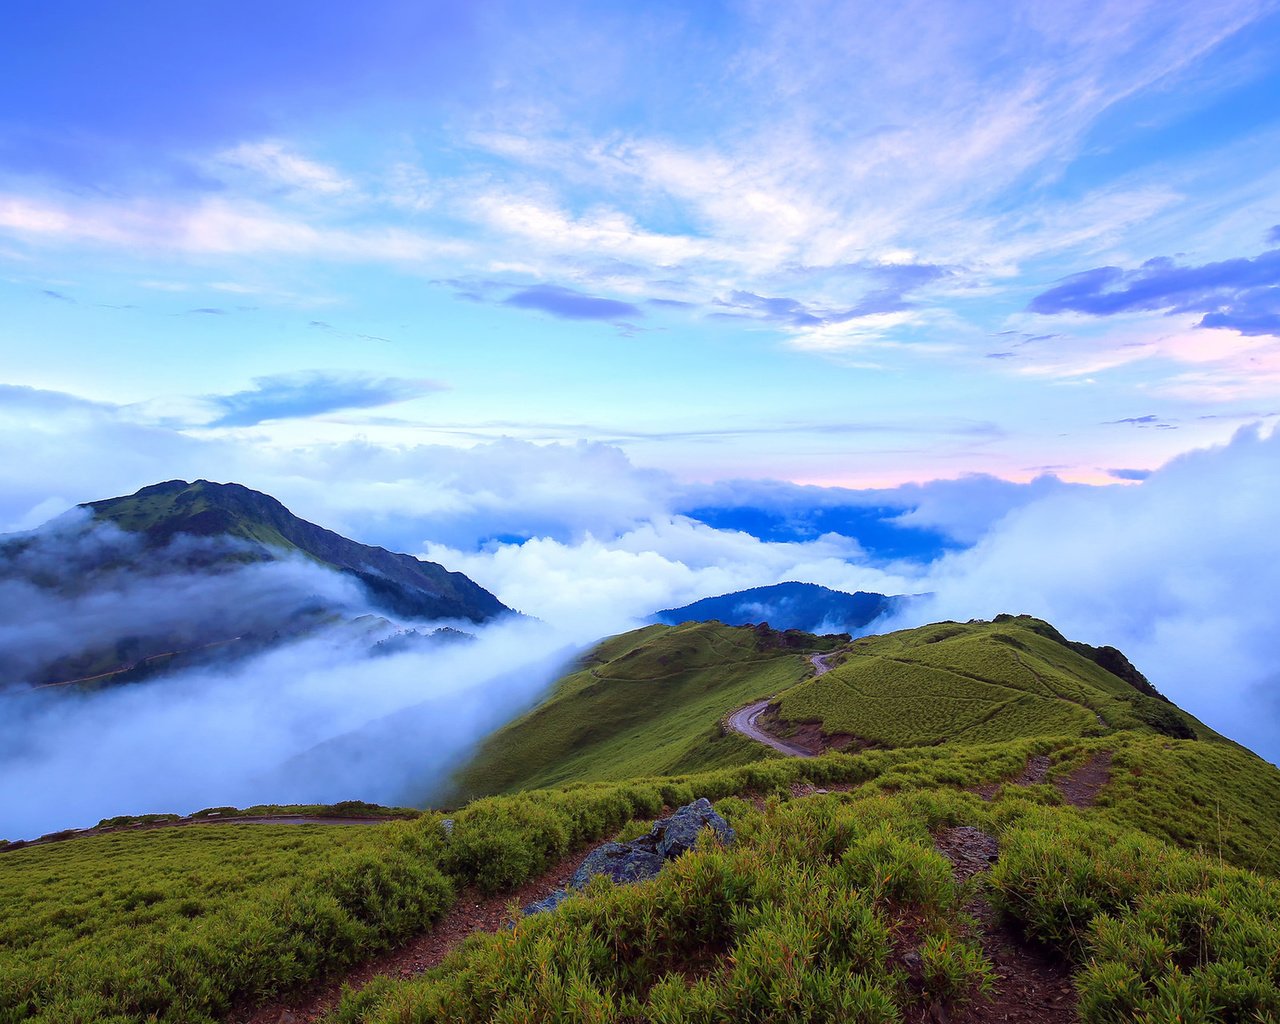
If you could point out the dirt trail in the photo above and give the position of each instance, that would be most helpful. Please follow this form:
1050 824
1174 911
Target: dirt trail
820 663
1079 789
1032 984
746 720
471 912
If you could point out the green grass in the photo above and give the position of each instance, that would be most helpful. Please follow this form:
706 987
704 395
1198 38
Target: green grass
182 922
976 682
814 914
648 702
796 923
1158 934
177 925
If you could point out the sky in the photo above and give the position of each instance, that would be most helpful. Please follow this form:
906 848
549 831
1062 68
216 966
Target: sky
617 306
827 243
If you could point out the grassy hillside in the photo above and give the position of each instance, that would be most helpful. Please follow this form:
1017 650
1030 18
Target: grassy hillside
651 701
1160 899
884 885
975 683
648 702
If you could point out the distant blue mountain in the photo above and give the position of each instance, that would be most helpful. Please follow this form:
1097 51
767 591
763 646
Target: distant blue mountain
874 527
805 606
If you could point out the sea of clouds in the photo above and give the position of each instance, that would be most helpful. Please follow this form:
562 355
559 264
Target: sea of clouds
1180 571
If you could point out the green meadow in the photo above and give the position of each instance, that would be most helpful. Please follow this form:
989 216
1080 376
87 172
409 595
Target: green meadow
1160 899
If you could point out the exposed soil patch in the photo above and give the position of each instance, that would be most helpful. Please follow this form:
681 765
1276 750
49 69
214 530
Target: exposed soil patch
472 912
808 736
1081 787
803 789
1032 985
1034 772
969 849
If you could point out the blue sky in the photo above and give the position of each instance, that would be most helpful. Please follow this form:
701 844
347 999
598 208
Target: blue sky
882 293
830 243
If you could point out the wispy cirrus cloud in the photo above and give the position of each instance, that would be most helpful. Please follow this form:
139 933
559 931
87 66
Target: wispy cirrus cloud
273 162
212 226
290 396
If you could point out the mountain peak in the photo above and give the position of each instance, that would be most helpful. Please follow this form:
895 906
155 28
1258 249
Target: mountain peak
397 583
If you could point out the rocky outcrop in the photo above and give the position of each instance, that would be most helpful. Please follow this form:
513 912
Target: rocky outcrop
621 863
679 833
640 859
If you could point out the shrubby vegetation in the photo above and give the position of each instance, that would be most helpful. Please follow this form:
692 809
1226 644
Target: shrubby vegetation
799 922
179 924
1159 934
832 907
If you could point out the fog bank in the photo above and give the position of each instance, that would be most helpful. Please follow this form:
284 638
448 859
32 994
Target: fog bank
250 734
1181 572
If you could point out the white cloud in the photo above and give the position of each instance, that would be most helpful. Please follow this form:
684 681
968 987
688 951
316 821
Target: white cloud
312 722
1181 572
272 160
596 586
213 226
602 230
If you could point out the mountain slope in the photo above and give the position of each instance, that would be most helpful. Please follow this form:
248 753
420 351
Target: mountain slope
397 583
804 606
180 576
942 882
647 702
978 682
653 700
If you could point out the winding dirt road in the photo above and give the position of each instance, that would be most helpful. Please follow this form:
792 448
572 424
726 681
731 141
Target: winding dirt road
745 720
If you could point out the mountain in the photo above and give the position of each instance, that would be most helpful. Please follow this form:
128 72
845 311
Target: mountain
398 584
1070 848
656 700
804 606
182 575
647 702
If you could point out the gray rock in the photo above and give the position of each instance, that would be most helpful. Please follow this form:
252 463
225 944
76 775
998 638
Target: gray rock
679 833
548 903
623 863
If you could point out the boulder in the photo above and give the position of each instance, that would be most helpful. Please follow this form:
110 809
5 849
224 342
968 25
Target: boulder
548 903
679 833
623 863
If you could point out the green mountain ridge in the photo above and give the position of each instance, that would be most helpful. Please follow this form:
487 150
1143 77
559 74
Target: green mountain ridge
653 701
397 583
1065 851
196 549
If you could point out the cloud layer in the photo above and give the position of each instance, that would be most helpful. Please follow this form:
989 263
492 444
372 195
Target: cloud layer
1181 572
